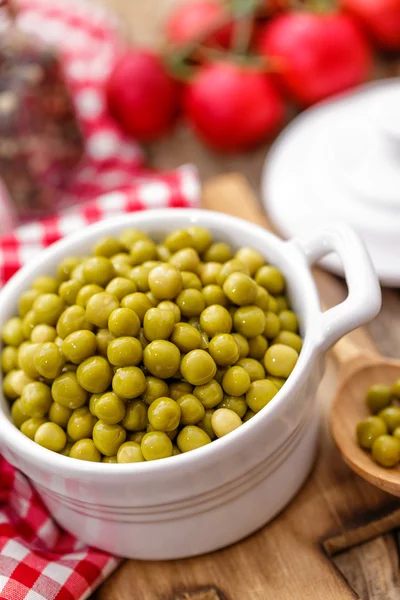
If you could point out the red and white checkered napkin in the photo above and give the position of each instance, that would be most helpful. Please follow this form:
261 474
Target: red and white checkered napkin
39 561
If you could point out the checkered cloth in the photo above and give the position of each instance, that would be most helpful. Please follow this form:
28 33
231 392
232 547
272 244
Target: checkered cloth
39 561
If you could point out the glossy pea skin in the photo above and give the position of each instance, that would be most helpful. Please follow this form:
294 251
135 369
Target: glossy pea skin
178 389
262 299
191 303
214 294
236 381
242 344
271 279
103 339
94 374
49 360
258 347
251 258
66 266
72 319
128 237
17 414
26 358
254 368
80 424
185 337
36 399
231 266
136 417
79 345
201 238
208 272
9 359
124 352
249 321
12 333
143 250
288 321
86 292
130 452
162 359
85 449
164 414
165 281
240 289
69 291
59 414
171 306
30 426
223 349
67 391
288 338
386 450
156 445
138 302
25 302
158 324
109 408
205 424
46 284
210 394
378 397
128 382
178 240
192 437
99 308
98 270
215 319
14 383
224 421
123 322
280 360
155 388
368 430
190 280
192 410
235 403
186 259
47 308
43 333
391 416
121 287
260 393
28 323
136 436
108 438
198 367
218 252
51 436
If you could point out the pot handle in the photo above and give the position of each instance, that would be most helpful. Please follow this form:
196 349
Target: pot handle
364 297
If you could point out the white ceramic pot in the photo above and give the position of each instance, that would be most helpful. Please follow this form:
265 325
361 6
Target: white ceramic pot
209 498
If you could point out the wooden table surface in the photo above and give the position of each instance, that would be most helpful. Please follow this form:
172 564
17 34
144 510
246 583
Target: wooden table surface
371 569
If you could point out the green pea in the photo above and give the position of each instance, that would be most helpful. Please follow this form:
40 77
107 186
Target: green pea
378 397
80 424
85 449
36 399
386 450
30 427
108 438
47 308
79 346
129 382
192 437
260 394
12 333
51 436
67 391
59 414
95 374
224 421
164 414
280 360
156 445
130 452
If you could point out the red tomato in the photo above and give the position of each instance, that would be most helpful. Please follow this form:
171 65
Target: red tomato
381 18
232 108
319 54
190 20
141 96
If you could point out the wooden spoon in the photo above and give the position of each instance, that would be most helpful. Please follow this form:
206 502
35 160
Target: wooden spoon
360 366
359 369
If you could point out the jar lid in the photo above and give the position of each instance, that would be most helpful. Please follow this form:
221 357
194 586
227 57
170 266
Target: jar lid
340 162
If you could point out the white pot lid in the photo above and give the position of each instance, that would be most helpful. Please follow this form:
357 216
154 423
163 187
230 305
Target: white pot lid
340 162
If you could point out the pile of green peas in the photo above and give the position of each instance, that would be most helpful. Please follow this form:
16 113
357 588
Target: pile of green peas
380 432
145 350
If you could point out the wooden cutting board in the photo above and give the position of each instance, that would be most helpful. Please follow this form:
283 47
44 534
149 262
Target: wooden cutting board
286 559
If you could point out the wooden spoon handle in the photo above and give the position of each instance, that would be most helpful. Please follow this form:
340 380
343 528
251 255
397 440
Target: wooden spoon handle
231 194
